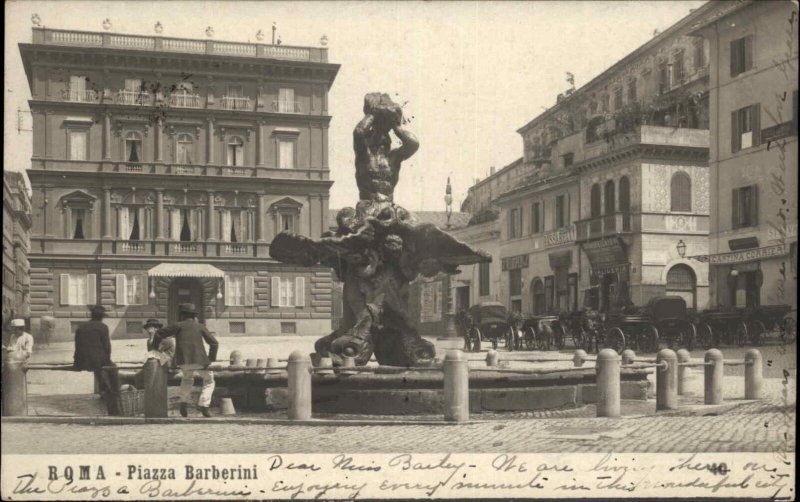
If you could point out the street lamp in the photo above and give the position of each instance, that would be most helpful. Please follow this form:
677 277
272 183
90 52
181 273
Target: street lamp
219 291
448 200
681 248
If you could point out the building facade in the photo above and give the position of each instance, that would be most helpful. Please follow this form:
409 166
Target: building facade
16 245
753 160
161 170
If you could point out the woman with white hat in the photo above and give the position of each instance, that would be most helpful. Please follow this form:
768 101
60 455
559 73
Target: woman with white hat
21 343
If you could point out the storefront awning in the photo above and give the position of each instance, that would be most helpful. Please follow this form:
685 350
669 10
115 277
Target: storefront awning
185 270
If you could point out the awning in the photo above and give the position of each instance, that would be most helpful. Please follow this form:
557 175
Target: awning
185 270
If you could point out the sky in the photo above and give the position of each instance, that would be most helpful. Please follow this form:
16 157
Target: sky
468 73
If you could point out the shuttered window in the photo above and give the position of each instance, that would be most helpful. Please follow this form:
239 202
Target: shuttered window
745 128
483 279
239 291
288 292
681 192
286 154
741 55
78 289
562 218
536 217
131 289
745 206
77 145
515 223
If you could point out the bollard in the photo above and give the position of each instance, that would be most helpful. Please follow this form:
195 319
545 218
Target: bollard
752 374
261 363
226 406
713 377
683 372
667 380
348 362
252 363
299 373
236 358
608 387
156 399
325 362
579 358
272 363
492 358
96 385
456 386
628 356
15 388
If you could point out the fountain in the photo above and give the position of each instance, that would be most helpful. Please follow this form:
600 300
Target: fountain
378 250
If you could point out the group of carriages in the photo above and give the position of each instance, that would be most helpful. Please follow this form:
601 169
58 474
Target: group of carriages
664 321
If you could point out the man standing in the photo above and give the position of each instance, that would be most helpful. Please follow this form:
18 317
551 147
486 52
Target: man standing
20 345
190 356
93 351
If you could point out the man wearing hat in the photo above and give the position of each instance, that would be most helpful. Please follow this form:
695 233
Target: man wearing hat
20 345
190 356
93 351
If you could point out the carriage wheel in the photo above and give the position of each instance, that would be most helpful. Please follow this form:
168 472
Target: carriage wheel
475 337
789 330
689 337
530 338
510 339
741 334
757 330
648 340
706 336
591 340
558 337
615 339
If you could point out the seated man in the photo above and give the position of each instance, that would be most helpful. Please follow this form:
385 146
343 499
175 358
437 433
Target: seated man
20 345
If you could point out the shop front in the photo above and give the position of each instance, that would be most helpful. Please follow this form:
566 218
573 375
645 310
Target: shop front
609 277
755 276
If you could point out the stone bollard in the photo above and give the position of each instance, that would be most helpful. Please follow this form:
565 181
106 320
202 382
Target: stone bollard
226 406
348 362
713 377
667 380
272 363
156 398
608 386
324 364
628 356
262 363
15 388
299 373
252 363
492 358
752 374
236 358
456 386
683 372
579 358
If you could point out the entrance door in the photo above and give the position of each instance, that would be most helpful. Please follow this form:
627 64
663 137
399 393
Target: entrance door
185 290
462 298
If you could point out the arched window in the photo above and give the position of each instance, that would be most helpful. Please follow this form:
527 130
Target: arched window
682 281
624 194
133 147
235 151
680 192
537 293
185 153
596 203
609 197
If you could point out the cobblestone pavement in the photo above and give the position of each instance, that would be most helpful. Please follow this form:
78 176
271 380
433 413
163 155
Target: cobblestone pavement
749 427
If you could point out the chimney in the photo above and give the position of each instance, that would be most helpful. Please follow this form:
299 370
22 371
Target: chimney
491 171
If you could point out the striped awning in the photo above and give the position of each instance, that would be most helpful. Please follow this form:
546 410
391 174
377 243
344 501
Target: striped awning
185 270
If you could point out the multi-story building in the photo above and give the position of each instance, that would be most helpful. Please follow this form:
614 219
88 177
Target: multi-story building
753 159
16 245
611 195
162 168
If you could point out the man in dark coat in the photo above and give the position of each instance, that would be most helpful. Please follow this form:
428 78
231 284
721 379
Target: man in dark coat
93 351
190 356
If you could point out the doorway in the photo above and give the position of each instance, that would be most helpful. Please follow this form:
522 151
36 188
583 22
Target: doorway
185 290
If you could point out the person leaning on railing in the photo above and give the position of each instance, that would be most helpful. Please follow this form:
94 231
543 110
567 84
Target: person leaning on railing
158 347
93 352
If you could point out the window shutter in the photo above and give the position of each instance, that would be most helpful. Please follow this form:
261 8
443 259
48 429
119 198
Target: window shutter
64 289
275 292
733 58
747 57
736 136
735 208
122 289
228 291
753 205
567 220
175 225
542 216
300 292
249 286
755 123
91 289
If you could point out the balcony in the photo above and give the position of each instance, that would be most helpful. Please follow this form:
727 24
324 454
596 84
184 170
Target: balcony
236 103
152 248
47 36
132 247
184 100
287 107
140 98
80 95
606 226
131 167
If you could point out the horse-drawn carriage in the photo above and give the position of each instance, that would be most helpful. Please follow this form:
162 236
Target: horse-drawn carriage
490 321
739 326
547 332
665 318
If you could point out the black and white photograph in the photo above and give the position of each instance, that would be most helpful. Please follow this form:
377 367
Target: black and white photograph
359 250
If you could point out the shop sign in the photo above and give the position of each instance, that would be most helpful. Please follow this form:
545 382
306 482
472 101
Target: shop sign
775 233
747 255
621 269
515 262
559 237
776 132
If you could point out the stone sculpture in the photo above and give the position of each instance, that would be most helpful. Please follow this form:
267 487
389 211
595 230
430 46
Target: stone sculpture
378 250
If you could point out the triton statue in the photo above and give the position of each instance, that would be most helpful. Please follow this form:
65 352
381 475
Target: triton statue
378 250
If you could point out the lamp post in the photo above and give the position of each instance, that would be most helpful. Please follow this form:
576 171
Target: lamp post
681 248
448 200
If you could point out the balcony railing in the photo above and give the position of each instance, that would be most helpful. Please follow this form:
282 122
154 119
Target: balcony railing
133 247
133 98
186 248
236 103
606 225
80 95
287 107
40 245
131 167
236 249
185 100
